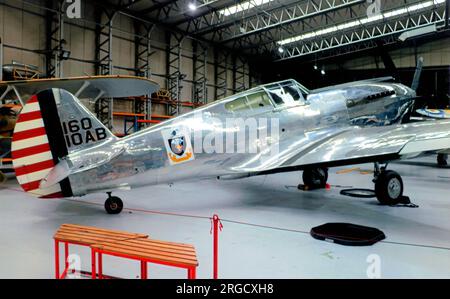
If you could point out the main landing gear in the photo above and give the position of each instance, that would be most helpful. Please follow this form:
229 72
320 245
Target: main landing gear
113 205
388 183
388 186
315 178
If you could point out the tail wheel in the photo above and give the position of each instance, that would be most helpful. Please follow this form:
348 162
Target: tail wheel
113 205
389 187
315 177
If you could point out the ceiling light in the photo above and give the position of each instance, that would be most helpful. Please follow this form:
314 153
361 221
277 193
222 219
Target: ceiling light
280 49
242 6
192 6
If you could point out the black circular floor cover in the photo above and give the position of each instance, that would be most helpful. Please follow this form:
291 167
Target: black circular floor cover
357 192
347 234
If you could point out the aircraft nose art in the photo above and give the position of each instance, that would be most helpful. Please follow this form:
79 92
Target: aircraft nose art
35 145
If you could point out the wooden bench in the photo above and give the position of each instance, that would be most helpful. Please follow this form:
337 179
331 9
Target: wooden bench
86 236
148 251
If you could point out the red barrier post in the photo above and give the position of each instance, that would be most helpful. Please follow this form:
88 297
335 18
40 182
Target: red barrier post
216 226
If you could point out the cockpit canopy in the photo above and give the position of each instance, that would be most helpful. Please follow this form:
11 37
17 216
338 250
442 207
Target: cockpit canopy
283 93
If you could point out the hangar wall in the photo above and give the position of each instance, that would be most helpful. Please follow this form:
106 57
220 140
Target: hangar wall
23 32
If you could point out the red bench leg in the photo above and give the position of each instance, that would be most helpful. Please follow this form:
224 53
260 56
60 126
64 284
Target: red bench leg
144 270
93 263
66 257
100 266
57 259
192 273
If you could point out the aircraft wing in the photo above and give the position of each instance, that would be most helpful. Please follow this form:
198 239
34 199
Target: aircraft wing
354 145
113 86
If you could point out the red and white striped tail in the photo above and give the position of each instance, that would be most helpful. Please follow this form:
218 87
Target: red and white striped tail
31 152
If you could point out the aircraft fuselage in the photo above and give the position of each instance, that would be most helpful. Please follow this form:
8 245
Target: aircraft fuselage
284 115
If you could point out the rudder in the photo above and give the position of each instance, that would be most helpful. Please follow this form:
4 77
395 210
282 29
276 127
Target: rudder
52 125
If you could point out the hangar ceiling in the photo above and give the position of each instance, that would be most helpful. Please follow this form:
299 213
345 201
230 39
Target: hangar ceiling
285 29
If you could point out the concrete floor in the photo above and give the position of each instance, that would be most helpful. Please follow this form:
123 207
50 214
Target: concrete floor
27 226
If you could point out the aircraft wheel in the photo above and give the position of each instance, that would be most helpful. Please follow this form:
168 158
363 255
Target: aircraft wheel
3 178
442 159
113 205
389 187
315 177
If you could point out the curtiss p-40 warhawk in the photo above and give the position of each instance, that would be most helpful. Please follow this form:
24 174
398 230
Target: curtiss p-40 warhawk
60 149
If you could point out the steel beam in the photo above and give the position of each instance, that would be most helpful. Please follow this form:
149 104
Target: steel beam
369 32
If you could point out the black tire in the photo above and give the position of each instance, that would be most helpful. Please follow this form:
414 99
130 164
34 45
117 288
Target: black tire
442 159
113 205
315 177
389 187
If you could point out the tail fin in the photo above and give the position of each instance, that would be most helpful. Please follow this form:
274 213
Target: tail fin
52 125
416 80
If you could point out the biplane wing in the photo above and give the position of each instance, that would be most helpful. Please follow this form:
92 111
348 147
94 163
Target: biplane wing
114 86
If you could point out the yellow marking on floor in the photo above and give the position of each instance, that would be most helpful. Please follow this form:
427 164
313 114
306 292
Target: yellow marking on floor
348 170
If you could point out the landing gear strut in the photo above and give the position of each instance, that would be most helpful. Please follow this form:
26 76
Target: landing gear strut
113 205
388 186
315 178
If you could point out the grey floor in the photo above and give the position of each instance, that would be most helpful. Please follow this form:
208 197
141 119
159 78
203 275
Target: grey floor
27 226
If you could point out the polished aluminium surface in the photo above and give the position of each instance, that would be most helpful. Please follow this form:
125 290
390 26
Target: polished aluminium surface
300 128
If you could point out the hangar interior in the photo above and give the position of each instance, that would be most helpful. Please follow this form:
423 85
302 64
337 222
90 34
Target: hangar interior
199 52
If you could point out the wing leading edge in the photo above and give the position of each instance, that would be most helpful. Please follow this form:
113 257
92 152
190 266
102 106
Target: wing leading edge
358 145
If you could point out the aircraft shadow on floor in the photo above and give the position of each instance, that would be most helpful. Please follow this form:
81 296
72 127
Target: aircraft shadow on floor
421 164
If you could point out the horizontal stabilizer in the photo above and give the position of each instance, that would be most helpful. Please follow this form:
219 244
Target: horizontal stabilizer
56 175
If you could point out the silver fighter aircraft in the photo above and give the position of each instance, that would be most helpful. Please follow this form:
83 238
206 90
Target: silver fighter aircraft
61 150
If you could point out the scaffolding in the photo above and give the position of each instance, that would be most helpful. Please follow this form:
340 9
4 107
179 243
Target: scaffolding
104 39
143 49
174 75
199 89
143 52
104 66
239 71
55 39
221 73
